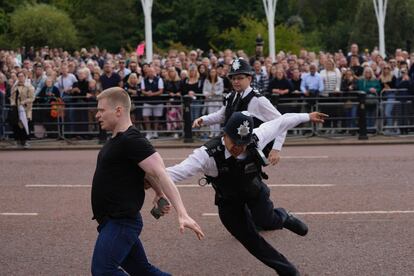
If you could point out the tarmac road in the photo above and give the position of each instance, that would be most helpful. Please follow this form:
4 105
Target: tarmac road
357 201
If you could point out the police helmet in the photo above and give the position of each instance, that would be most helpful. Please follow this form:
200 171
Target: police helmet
239 128
240 66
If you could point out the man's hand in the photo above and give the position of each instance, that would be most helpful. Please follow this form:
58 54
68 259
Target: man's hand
317 117
274 157
198 122
187 222
166 209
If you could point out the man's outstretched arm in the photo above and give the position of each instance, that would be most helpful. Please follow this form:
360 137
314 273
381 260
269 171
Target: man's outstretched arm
154 167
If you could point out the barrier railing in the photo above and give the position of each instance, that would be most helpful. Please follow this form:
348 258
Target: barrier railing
350 113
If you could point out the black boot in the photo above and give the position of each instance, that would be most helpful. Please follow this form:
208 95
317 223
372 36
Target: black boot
295 225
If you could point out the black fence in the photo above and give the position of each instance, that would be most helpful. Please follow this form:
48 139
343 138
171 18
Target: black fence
351 113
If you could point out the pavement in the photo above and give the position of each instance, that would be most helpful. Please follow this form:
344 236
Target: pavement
71 144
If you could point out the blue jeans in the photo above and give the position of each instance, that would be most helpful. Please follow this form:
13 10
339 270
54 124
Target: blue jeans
118 249
389 107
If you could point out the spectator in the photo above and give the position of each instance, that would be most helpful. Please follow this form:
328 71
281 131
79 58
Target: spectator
348 87
260 81
3 89
21 101
213 92
152 88
133 88
331 77
107 80
46 97
355 66
39 78
173 88
371 86
388 85
312 84
279 88
79 91
354 52
404 82
122 70
192 86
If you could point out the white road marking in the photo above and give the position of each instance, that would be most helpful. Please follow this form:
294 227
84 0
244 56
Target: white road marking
337 213
57 186
19 214
178 185
282 157
269 185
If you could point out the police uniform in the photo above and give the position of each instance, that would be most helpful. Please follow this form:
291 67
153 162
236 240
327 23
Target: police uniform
241 196
250 100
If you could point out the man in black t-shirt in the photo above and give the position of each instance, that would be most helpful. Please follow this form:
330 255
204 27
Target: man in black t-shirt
118 191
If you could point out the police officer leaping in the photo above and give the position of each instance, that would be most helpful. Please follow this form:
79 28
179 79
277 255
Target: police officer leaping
242 98
233 164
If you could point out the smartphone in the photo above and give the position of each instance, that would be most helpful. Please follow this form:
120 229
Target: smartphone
156 212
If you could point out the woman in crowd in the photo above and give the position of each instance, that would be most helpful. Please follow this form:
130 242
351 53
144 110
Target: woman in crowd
372 87
133 87
388 85
279 88
192 87
173 88
331 77
348 87
50 106
213 92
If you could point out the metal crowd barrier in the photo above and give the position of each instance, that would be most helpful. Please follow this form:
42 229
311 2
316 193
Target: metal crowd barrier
350 113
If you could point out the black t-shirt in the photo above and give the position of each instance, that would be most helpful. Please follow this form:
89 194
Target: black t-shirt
118 183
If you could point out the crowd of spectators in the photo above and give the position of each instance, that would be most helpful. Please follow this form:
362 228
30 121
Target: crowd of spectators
52 78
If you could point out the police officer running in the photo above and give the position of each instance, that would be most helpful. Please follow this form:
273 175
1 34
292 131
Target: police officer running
233 164
242 98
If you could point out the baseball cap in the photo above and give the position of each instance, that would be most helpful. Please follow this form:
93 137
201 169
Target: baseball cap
240 128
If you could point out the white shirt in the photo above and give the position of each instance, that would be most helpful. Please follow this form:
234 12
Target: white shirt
200 162
259 107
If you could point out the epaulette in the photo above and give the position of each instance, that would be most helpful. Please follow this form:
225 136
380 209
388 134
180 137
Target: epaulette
213 146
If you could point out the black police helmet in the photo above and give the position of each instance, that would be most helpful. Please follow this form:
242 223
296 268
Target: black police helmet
240 66
239 128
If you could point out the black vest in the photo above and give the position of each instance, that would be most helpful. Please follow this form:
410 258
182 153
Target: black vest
237 180
154 88
242 106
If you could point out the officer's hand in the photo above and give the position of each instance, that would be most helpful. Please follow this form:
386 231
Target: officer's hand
198 122
317 117
274 157
187 222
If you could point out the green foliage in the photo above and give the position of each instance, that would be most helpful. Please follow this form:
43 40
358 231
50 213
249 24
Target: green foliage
41 24
326 25
244 36
288 39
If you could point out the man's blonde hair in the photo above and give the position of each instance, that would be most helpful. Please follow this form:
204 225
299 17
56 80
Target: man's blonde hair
116 96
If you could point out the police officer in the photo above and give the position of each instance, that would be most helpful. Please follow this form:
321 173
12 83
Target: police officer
232 164
242 98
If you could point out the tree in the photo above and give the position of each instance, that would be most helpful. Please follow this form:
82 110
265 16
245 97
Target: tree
244 36
40 24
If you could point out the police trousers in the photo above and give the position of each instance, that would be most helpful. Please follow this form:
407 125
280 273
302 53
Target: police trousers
241 218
